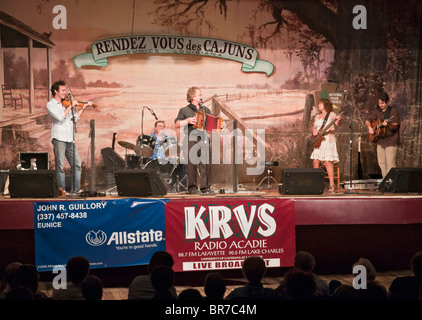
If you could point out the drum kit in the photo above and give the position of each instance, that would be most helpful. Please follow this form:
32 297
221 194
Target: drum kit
170 170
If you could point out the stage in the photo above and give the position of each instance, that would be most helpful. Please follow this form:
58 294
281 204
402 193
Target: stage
337 228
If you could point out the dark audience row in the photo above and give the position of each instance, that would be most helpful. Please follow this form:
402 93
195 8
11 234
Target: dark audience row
299 283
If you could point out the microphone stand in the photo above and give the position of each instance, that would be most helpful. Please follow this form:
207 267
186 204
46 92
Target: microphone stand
205 136
73 171
142 138
351 191
142 133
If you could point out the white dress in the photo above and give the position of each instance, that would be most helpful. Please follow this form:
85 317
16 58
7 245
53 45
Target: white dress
328 149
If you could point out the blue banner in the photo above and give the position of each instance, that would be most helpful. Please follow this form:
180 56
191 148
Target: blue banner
109 233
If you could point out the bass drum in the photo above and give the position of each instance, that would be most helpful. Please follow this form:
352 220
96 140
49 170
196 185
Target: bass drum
133 161
145 145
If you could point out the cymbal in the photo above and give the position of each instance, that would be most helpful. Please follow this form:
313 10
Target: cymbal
144 151
126 144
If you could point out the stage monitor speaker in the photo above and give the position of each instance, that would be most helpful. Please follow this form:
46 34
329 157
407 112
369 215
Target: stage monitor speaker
112 160
42 159
139 183
302 181
402 180
33 184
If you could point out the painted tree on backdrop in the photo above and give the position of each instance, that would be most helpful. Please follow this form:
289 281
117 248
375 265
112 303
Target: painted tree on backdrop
376 46
367 35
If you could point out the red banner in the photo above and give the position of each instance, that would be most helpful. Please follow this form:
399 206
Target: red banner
212 234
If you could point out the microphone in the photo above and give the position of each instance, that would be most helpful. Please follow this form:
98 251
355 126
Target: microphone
155 116
201 103
153 113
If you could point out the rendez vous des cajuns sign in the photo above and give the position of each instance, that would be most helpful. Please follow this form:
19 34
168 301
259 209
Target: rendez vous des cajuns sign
103 49
221 233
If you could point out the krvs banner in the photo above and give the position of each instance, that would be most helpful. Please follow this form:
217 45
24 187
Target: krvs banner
221 233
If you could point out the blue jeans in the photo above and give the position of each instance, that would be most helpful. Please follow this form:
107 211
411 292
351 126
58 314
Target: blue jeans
64 150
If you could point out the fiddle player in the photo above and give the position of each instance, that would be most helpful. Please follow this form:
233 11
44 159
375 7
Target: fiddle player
62 134
186 121
388 143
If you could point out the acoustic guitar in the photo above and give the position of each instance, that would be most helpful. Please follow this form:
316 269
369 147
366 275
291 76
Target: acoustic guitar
317 140
379 129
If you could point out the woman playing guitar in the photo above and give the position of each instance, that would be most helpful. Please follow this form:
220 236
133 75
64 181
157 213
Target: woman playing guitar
326 151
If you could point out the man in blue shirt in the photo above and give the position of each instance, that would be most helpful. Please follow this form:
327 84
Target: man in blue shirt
62 134
160 136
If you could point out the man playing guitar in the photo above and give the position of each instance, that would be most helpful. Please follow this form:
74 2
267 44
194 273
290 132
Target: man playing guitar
388 120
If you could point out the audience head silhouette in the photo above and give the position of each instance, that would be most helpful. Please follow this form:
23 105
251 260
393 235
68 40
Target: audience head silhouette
254 269
215 287
190 294
371 273
416 264
304 261
299 285
92 288
160 258
162 280
77 269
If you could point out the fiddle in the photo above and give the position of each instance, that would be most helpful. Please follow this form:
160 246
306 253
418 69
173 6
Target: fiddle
67 103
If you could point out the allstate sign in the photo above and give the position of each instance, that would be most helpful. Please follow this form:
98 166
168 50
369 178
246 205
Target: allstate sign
109 233
96 238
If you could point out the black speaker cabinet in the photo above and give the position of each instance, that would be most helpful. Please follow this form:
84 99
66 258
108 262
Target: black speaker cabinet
33 184
402 180
139 183
112 160
302 181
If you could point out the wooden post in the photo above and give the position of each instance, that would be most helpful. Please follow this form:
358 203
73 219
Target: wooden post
31 75
235 156
309 103
1 82
93 169
49 73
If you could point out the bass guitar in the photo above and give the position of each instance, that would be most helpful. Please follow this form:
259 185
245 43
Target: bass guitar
317 140
379 129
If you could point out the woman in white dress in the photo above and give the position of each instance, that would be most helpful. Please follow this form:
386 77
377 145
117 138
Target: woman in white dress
327 151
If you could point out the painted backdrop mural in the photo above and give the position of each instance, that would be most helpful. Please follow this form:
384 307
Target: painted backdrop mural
362 46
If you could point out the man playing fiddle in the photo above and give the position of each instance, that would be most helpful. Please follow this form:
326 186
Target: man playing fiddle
62 133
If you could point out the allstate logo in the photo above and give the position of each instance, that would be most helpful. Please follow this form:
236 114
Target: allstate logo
96 238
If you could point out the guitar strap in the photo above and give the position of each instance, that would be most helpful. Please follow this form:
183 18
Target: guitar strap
387 113
325 121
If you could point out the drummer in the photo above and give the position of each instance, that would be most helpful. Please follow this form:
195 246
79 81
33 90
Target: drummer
160 136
